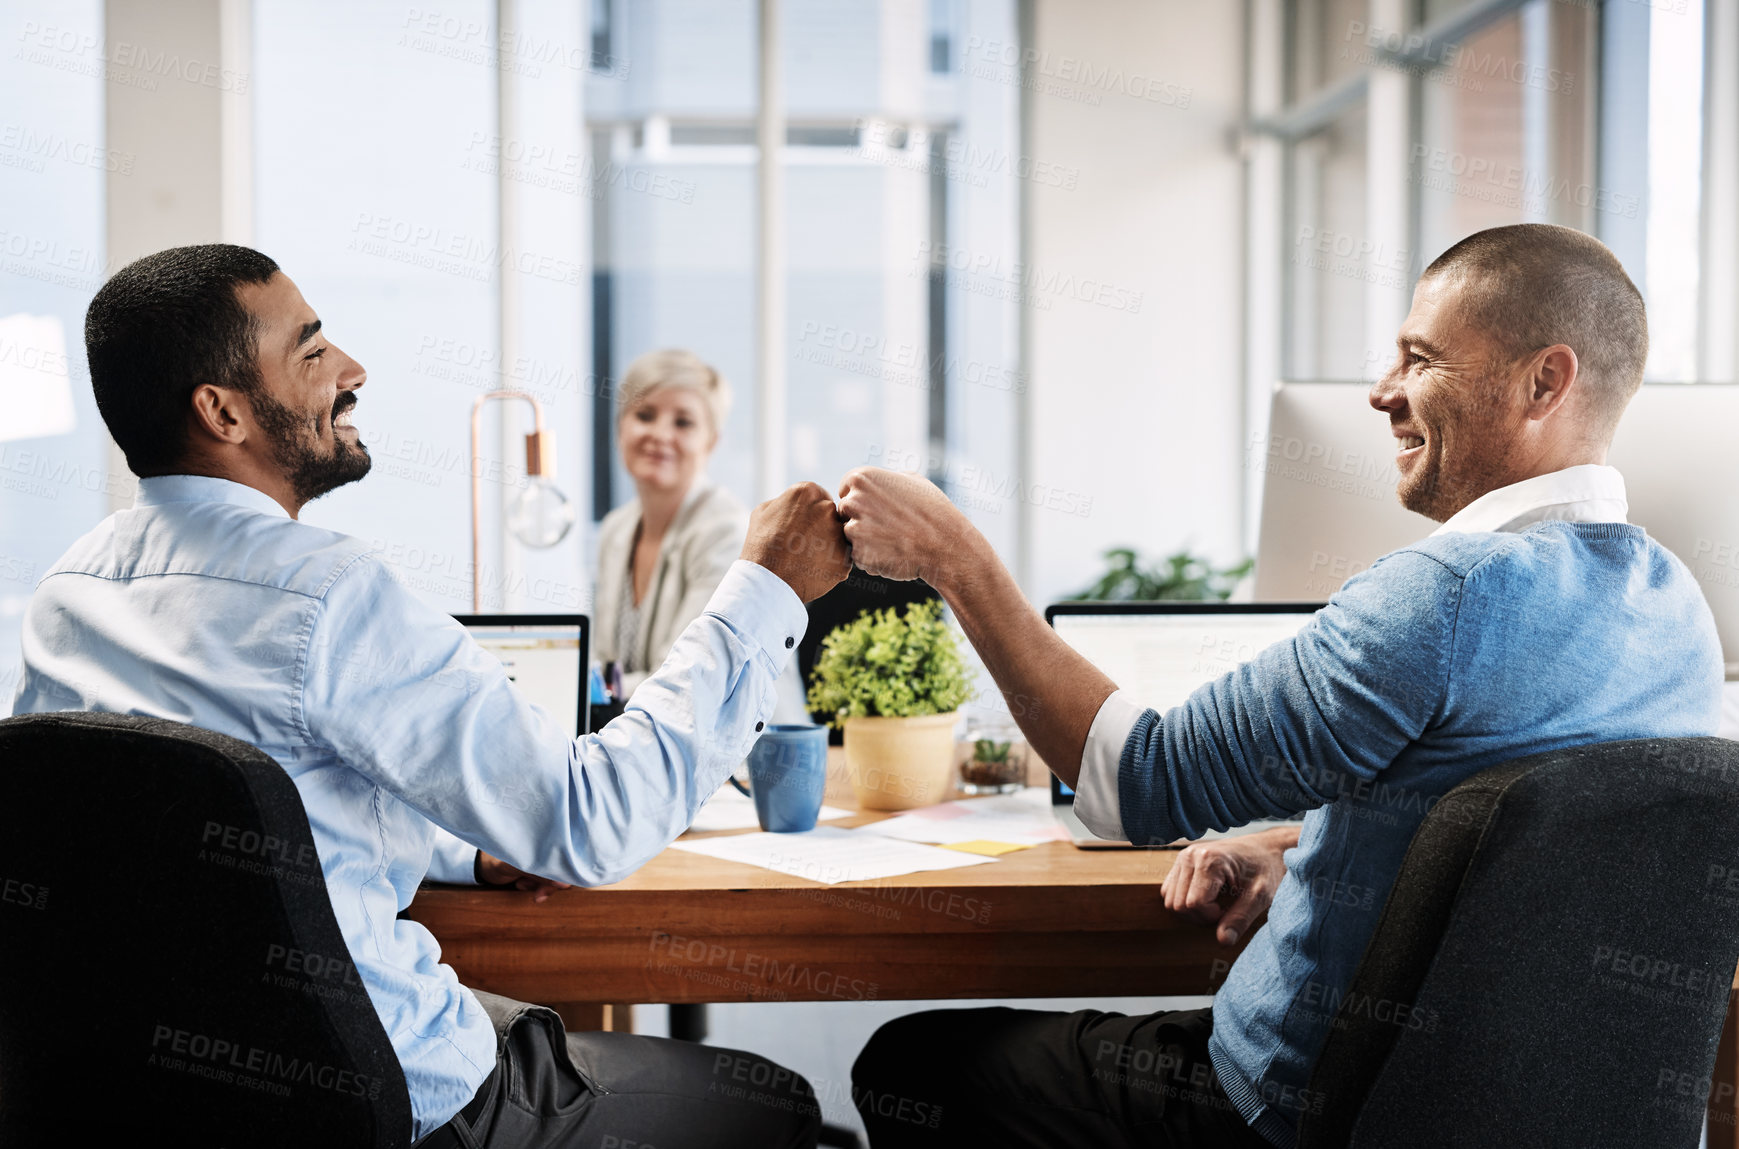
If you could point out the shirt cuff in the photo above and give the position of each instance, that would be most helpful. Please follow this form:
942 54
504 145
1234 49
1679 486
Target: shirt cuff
761 605
1096 802
454 860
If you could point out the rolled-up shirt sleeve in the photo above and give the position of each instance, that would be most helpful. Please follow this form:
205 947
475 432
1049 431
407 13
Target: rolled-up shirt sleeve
1096 802
401 694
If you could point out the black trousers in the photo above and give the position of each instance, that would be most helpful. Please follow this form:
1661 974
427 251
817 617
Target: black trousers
557 1090
1025 1078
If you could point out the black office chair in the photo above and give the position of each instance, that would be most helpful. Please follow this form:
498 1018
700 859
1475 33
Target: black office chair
1552 967
170 969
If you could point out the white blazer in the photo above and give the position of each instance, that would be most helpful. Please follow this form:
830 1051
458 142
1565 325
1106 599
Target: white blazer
698 548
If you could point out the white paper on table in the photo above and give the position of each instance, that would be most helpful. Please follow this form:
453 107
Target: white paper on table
828 854
1023 819
729 809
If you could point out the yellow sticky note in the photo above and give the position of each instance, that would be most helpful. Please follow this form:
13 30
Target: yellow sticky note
988 849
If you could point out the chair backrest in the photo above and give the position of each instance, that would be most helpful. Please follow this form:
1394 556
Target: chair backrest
169 962
1553 964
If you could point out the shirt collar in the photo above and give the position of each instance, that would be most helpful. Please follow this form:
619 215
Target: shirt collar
160 489
1588 493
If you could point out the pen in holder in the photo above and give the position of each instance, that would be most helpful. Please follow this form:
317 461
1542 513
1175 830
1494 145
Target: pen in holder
602 703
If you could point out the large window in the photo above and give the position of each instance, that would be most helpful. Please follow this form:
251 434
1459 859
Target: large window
1505 130
1401 140
54 478
893 157
470 208
1332 258
388 217
1672 272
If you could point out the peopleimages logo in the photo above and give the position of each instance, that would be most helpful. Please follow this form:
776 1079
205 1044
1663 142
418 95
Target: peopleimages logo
134 65
523 52
441 249
31 895
985 273
968 479
699 959
1069 76
39 147
1490 181
1446 61
232 1063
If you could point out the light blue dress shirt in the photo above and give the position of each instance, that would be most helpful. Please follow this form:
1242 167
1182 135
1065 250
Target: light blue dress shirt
206 603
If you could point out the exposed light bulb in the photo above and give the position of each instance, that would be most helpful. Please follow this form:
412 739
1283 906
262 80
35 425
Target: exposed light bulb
540 515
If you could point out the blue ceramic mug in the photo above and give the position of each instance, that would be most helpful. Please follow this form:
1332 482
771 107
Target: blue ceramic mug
787 774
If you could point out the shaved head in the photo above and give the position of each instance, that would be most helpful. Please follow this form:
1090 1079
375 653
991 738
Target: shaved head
1533 285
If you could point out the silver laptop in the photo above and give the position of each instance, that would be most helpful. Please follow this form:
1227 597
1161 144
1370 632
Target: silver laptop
1160 652
546 656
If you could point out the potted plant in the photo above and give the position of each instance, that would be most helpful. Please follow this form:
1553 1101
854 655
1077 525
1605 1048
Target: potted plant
994 758
894 682
1181 577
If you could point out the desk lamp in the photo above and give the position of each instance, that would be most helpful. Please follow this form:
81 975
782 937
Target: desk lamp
540 515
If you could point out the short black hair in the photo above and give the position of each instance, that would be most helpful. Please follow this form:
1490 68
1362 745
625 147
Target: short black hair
1531 285
161 327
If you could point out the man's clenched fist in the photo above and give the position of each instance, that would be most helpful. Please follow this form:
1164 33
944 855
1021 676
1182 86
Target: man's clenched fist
901 526
798 537
492 871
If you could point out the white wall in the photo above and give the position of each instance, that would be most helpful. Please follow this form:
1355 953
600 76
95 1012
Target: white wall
1135 409
390 223
54 164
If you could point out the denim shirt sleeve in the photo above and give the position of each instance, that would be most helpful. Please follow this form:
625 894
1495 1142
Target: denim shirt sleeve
1360 681
401 694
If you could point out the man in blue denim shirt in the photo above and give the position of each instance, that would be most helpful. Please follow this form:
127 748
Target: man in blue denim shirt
209 603
1535 618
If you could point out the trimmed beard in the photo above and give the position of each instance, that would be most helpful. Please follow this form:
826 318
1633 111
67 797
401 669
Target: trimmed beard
310 472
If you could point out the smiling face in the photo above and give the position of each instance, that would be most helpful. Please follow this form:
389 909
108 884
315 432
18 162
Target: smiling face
306 391
1457 410
665 438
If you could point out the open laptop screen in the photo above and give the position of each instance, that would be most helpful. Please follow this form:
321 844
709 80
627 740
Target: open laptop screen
545 657
1159 653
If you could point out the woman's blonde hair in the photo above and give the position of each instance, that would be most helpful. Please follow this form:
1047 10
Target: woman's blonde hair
675 367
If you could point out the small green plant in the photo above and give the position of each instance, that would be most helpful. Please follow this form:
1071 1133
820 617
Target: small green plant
885 664
984 750
1181 577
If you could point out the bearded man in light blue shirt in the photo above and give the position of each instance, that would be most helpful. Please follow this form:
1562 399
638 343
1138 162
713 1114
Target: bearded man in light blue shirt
209 603
1536 618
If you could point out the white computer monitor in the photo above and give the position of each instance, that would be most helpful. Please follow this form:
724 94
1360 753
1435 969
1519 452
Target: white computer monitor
1160 652
546 659
1328 489
1327 468
1678 449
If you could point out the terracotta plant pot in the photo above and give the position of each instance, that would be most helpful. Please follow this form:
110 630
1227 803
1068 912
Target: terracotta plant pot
899 763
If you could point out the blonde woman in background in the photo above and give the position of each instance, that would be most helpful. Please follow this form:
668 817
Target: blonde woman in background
663 553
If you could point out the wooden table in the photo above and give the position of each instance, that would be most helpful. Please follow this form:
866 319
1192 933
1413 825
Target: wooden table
1051 921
